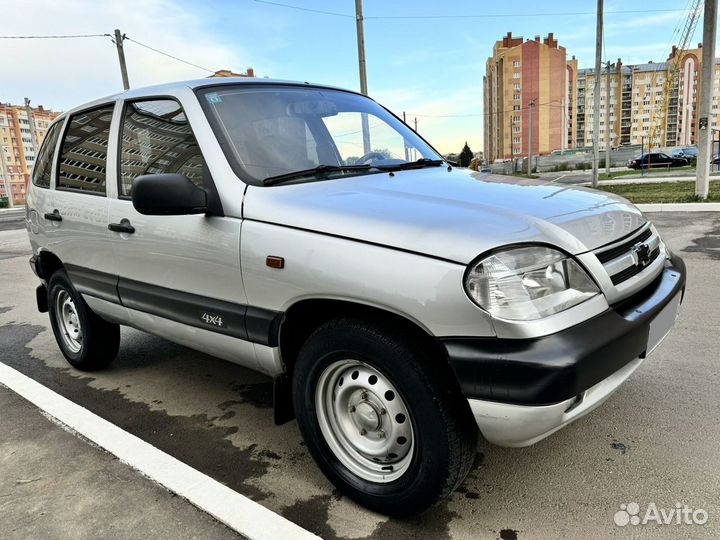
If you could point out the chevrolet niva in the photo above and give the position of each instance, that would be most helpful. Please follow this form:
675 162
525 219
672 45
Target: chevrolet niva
403 306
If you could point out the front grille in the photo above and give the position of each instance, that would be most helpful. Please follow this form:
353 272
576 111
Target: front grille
623 248
620 259
634 270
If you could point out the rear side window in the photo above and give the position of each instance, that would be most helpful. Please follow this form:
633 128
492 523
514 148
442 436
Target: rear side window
83 155
157 139
43 164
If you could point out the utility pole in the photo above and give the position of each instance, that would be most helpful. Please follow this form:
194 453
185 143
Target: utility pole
119 38
363 73
531 106
31 122
596 93
407 150
607 121
702 184
5 181
416 124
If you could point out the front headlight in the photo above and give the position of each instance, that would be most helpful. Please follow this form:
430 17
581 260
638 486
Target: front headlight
528 283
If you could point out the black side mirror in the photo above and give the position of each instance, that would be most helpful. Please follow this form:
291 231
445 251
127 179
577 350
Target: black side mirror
168 195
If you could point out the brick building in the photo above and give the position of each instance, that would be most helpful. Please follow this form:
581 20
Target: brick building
18 147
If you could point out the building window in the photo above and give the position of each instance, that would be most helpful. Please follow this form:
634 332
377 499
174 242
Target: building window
516 129
516 75
516 97
516 63
516 140
517 86
516 107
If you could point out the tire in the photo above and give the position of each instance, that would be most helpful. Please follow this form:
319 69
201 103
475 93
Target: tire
426 434
88 342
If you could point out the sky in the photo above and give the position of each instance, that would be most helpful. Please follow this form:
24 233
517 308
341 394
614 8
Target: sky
431 65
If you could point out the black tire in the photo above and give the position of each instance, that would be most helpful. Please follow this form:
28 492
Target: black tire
444 432
100 340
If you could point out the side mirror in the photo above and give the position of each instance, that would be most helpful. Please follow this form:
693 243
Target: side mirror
168 195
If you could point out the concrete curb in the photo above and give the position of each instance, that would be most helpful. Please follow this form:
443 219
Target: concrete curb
680 207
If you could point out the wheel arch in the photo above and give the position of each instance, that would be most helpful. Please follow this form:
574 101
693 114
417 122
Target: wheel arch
302 318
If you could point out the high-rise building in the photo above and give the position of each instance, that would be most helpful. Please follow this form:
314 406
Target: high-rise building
637 103
17 147
525 77
522 72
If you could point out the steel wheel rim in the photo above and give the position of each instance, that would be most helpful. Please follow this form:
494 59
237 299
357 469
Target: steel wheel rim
68 321
364 420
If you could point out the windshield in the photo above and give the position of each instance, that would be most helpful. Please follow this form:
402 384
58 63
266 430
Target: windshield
268 131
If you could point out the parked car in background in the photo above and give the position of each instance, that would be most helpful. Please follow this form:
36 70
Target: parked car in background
689 152
657 160
402 306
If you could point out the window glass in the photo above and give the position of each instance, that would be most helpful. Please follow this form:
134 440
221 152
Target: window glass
269 130
157 139
43 166
84 151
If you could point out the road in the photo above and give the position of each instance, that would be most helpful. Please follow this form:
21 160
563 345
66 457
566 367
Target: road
580 177
656 440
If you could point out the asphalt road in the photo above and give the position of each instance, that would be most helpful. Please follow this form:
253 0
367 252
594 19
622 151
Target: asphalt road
655 441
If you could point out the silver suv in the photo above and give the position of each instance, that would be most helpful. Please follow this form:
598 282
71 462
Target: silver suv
402 305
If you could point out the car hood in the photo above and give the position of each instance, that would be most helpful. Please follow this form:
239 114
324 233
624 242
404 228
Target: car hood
451 214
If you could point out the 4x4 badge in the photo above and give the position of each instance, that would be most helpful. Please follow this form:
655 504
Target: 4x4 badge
213 319
641 254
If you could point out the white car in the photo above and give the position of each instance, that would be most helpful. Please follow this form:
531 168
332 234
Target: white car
401 305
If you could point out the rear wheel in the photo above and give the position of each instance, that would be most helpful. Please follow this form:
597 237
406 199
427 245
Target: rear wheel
382 418
87 341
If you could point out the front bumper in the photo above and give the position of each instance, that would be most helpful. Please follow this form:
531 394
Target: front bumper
521 390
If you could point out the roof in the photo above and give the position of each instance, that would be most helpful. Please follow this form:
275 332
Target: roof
167 88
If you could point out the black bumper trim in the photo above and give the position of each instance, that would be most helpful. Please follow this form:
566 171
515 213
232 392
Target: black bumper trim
553 368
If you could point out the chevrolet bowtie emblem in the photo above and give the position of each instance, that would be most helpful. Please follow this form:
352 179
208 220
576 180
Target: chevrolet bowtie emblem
641 254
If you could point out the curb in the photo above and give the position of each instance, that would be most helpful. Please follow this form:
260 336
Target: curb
679 207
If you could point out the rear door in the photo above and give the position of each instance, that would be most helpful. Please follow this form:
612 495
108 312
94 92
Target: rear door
181 268
78 220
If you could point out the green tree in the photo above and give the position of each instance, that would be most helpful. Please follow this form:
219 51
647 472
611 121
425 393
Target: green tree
466 156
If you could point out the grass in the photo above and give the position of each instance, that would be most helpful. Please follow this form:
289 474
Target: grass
648 172
667 192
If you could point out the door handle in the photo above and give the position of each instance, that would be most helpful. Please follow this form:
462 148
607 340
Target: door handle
122 227
54 216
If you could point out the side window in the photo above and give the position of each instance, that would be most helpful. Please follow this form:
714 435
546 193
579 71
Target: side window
84 151
43 164
156 138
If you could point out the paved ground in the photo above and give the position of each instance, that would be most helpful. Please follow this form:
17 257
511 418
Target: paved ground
55 485
655 441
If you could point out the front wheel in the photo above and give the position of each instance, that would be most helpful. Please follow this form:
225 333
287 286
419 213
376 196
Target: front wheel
381 417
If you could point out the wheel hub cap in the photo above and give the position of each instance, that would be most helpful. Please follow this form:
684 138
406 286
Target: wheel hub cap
68 321
364 420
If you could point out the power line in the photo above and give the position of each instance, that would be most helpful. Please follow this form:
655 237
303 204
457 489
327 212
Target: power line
335 14
516 15
169 55
467 16
68 36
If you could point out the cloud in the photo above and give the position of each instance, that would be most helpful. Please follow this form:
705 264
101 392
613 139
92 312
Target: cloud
66 72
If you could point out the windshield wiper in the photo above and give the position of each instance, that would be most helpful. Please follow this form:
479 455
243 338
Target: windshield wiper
419 164
315 171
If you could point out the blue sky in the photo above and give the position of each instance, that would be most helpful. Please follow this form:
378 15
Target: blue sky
430 67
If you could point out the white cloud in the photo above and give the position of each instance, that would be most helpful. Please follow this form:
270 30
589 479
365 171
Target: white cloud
65 72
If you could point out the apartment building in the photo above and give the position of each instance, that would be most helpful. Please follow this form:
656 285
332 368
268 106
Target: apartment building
636 103
525 77
522 72
19 141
